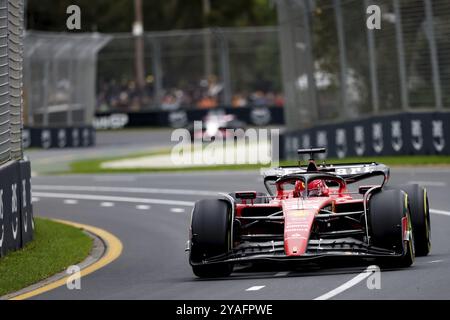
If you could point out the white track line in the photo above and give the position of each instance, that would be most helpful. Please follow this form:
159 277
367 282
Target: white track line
115 178
107 204
35 199
352 282
113 198
435 211
143 207
125 190
430 183
177 210
435 261
70 201
366 273
254 288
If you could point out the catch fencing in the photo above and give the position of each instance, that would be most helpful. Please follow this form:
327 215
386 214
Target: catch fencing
60 72
360 90
16 213
190 69
11 22
337 69
60 78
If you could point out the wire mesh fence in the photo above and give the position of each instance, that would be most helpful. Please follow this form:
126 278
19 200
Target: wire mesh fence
5 146
60 78
15 61
336 68
333 67
11 53
191 69
16 210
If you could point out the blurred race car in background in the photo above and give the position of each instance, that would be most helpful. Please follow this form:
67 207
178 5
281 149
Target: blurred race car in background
310 215
216 123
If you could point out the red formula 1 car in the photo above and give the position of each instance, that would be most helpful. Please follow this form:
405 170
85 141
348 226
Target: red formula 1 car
310 215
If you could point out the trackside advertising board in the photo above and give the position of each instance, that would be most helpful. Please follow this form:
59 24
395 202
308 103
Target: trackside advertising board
399 134
16 213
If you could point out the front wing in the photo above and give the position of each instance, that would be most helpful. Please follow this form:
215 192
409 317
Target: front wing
318 250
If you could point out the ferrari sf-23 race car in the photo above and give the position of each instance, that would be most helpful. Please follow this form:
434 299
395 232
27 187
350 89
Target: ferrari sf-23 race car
310 215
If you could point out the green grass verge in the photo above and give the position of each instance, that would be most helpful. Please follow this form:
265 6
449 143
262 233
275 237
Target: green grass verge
55 247
91 166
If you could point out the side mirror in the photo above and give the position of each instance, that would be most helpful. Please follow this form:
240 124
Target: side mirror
246 195
363 189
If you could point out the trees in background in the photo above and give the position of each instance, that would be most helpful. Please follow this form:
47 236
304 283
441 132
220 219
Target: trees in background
118 15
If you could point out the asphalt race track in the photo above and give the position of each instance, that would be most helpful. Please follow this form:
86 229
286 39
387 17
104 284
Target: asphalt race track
150 214
108 144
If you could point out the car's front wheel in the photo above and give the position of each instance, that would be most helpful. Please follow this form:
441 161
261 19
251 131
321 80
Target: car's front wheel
210 237
388 214
420 218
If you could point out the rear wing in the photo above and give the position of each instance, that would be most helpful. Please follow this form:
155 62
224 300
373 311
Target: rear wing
350 172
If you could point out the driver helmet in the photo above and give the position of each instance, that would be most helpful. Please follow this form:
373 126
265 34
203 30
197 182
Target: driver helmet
316 188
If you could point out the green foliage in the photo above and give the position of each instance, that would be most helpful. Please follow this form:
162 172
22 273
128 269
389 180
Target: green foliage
118 15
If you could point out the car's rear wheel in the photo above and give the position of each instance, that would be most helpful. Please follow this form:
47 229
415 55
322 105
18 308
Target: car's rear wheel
420 217
387 211
210 237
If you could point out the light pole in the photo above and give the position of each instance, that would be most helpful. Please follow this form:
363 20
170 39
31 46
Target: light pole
138 33
207 42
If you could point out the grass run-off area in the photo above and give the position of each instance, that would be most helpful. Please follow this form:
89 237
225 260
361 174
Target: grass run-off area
95 165
55 247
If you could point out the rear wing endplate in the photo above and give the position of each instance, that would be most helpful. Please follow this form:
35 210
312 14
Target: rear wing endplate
350 172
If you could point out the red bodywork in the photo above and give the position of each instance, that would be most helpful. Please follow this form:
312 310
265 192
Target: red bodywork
299 213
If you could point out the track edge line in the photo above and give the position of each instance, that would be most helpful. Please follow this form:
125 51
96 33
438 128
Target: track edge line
113 250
